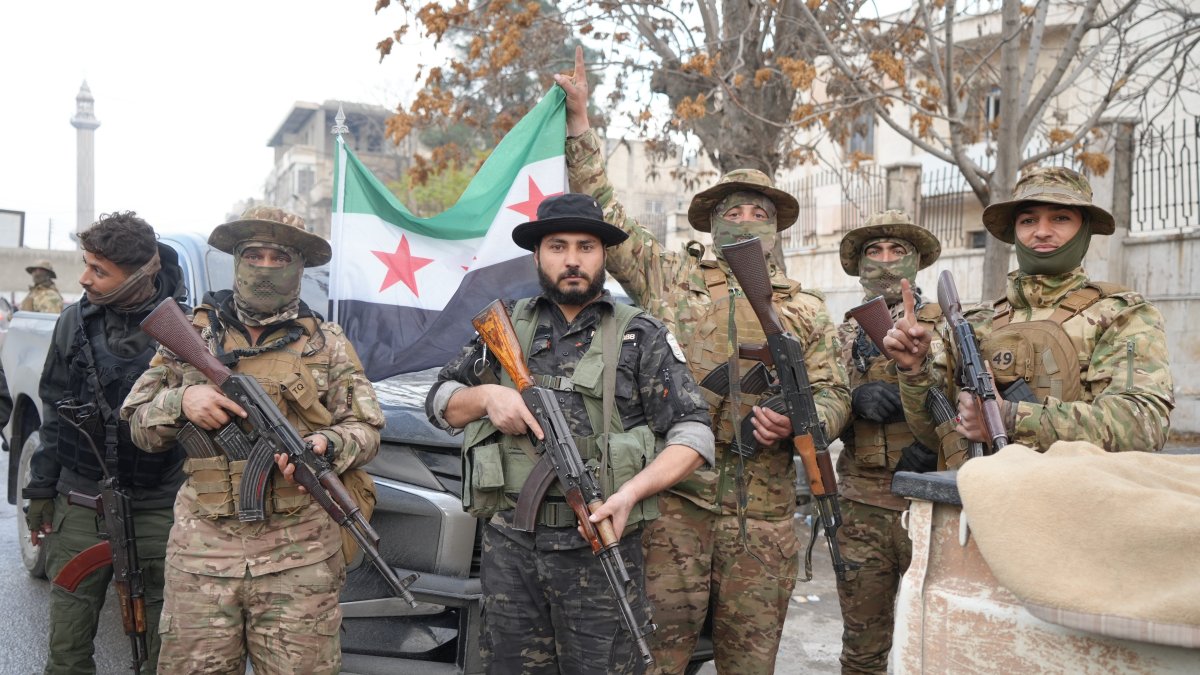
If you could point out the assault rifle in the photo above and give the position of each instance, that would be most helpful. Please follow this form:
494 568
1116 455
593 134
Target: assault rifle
971 374
118 545
942 411
262 434
786 354
560 460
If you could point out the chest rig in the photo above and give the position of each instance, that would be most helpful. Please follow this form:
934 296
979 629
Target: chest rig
875 445
99 379
710 349
293 370
1042 352
496 466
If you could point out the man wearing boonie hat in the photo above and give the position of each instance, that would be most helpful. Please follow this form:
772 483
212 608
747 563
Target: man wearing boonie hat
883 254
726 537
43 294
546 605
1090 355
268 589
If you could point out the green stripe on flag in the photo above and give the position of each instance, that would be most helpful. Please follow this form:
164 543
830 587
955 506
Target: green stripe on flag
539 135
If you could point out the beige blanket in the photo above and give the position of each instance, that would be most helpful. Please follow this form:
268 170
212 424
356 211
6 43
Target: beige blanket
1104 542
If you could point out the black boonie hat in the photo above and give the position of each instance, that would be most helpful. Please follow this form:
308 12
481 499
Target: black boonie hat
569 212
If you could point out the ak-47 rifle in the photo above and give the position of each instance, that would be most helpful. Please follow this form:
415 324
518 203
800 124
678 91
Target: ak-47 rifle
971 373
560 460
118 545
786 354
262 434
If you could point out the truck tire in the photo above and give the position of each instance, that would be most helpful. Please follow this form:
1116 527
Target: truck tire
33 557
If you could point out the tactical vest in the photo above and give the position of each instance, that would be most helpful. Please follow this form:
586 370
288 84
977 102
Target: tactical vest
294 377
710 349
1041 352
495 465
878 446
115 376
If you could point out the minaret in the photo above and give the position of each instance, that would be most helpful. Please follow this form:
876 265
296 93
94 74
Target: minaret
85 158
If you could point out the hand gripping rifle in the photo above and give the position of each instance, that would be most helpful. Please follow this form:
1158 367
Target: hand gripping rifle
971 373
118 545
264 432
560 459
748 263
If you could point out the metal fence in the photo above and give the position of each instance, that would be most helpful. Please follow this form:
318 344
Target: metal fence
1166 177
944 192
849 196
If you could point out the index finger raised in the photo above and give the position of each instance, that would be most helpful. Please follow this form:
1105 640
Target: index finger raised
910 303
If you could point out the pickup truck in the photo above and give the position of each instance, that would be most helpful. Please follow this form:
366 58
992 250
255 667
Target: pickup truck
419 515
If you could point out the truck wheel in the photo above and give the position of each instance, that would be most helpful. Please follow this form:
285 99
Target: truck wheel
33 557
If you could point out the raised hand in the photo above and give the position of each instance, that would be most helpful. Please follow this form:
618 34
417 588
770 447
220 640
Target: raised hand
576 86
907 343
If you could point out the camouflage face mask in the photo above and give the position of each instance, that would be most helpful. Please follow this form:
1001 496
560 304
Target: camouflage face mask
266 295
883 278
1059 261
725 232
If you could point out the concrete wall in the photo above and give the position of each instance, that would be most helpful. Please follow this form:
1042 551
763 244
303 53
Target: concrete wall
14 281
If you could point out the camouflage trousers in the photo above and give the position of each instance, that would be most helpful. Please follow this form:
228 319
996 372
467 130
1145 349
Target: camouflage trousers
286 621
873 537
695 558
75 616
552 611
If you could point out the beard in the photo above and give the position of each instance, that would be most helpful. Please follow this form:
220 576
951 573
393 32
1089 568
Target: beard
572 298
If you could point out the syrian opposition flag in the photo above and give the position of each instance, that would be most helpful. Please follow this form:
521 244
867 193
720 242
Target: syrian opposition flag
405 288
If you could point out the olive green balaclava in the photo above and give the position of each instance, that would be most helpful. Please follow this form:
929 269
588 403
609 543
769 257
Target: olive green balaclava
883 278
1059 261
725 232
266 295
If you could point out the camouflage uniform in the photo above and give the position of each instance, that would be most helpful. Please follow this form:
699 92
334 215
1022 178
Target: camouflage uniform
43 295
694 551
43 298
871 534
1117 392
547 606
268 587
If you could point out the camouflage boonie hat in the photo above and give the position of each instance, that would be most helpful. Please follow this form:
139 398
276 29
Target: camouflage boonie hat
43 264
273 224
891 223
1049 185
753 180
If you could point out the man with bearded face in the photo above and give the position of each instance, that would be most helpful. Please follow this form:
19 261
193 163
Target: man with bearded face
726 537
97 352
883 254
1092 353
268 588
43 294
637 417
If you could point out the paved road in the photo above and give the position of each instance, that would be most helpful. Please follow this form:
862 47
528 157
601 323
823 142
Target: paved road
26 613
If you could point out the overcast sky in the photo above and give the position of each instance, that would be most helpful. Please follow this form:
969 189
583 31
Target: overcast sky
187 95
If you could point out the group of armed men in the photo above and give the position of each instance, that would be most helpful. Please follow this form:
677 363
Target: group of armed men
703 529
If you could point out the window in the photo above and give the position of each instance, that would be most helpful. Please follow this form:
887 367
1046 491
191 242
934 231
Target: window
862 140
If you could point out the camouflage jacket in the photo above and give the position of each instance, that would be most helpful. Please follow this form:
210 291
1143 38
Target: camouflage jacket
43 299
675 288
1125 377
873 484
225 547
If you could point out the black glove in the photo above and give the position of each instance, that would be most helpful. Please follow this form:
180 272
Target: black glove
917 458
878 402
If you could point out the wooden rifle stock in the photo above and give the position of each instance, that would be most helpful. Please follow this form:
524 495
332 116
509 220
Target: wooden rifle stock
171 327
746 259
496 329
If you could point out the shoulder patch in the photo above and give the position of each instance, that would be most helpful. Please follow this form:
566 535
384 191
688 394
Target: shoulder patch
675 349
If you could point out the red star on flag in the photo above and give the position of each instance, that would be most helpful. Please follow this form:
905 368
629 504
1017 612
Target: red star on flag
402 266
528 208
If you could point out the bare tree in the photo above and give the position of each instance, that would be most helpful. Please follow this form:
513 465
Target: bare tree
993 92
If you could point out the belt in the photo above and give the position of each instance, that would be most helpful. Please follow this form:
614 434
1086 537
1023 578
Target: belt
554 512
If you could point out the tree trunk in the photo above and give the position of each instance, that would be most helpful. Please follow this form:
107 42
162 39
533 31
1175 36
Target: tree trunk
1009 146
